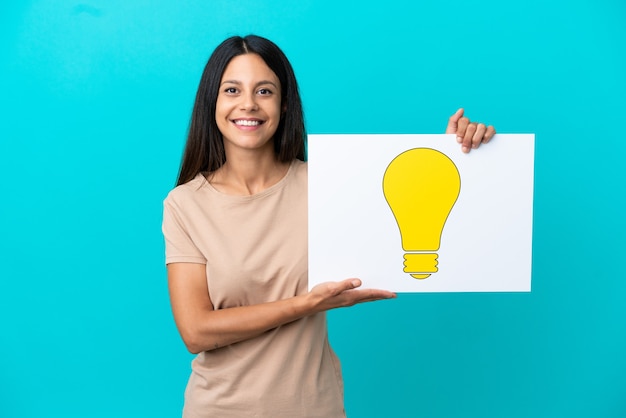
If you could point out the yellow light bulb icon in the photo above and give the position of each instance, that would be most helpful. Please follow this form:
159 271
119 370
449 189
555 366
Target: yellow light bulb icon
421 186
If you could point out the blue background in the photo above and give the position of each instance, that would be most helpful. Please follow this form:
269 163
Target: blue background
95 100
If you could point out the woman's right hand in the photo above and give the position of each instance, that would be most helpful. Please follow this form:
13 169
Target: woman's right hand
345 293
204 328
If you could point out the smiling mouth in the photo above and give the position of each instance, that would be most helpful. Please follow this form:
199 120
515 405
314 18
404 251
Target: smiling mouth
244 122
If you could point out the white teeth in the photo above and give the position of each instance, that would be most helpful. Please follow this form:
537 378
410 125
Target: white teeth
247 122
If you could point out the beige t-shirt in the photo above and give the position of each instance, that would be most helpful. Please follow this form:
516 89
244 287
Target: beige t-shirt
255 251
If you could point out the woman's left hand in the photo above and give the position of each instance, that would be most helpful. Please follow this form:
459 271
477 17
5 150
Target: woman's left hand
469 134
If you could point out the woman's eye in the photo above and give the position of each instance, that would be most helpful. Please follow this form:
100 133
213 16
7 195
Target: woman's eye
264 92
230 90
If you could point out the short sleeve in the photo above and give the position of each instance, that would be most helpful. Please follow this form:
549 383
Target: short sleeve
179 247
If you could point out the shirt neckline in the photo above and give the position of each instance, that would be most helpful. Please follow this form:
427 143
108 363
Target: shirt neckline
278 185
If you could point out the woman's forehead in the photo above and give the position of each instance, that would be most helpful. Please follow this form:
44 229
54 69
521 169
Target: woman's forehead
248 67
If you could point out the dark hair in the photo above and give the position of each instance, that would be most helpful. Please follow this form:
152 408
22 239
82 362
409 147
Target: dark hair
204 150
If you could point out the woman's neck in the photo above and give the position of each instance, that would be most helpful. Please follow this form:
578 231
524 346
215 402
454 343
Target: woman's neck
247 175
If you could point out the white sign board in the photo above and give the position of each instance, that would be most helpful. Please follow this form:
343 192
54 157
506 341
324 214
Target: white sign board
412 213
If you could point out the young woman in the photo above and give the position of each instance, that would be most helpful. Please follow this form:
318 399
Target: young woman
235 229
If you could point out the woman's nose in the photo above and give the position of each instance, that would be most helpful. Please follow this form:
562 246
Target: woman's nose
248 102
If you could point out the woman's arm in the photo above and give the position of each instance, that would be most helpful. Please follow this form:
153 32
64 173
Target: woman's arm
204 328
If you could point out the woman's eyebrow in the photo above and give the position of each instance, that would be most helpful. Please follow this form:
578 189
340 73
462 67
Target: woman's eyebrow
237 82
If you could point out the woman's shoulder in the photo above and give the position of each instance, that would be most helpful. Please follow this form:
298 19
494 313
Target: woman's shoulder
300 167
187 190
299 171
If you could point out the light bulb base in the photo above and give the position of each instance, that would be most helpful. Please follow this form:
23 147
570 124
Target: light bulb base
420 265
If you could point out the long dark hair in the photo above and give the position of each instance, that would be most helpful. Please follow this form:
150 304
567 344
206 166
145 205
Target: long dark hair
204 150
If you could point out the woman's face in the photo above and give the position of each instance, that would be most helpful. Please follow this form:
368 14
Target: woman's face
248 104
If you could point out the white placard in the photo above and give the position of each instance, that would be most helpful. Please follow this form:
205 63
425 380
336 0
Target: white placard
485 242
